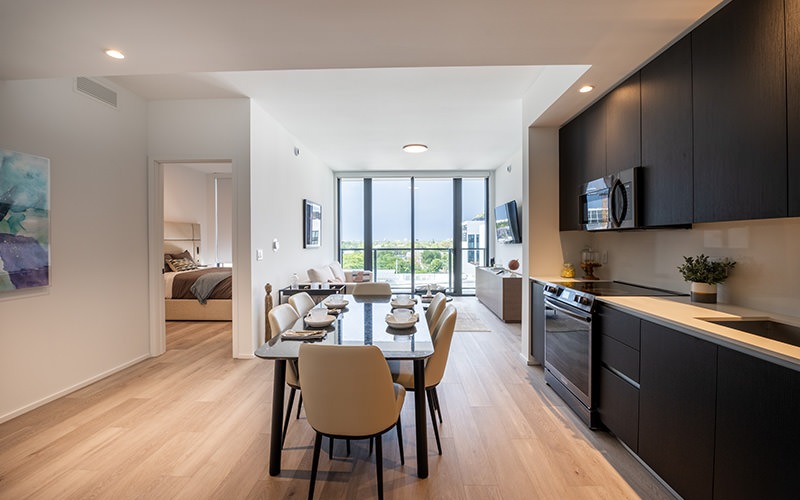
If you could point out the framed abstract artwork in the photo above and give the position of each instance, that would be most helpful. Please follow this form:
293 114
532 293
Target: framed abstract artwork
312 224
24 221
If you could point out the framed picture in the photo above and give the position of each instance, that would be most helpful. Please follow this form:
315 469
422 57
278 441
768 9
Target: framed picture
24 221
312 224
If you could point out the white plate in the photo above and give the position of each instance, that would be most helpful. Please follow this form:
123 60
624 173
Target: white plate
320 324
404 305
336 305
405 324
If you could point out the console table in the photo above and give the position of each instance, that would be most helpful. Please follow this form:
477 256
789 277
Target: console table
316 293
501 291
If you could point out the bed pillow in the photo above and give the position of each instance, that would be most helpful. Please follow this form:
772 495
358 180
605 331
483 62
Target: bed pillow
182 264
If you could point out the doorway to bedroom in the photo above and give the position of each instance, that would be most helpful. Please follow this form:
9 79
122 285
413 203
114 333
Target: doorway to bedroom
198 241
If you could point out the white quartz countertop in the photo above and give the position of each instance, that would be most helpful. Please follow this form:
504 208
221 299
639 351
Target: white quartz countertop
681 314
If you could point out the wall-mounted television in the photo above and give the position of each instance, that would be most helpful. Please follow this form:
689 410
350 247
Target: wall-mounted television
506 222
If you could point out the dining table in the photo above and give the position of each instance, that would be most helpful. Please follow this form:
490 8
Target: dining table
363 321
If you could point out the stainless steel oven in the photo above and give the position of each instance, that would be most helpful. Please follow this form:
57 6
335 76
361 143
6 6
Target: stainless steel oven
570 330
568 348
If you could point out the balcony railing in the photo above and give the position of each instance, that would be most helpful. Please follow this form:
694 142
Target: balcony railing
432 266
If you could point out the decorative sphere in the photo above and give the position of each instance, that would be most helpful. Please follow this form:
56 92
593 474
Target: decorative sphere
513 264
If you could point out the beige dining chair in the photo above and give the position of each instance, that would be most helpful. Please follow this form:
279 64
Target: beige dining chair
434 366
435 309
360 402
282 318
372 289
302 303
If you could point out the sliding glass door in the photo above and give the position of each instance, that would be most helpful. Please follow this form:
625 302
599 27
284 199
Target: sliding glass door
414 231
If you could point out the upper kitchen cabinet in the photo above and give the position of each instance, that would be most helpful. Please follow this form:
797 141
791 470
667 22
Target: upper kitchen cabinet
581 157
623 126
666 180
739 113
793 105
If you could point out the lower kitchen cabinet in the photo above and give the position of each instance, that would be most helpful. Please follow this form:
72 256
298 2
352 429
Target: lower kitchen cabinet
618 407
618 393
537 321
757 429
677 408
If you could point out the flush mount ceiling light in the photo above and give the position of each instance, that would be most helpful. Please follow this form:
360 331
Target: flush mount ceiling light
115 54
586 88
415 148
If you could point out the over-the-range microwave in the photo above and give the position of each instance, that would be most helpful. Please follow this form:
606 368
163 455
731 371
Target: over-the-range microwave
610 202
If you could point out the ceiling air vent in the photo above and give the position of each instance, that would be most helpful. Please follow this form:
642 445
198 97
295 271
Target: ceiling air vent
95 90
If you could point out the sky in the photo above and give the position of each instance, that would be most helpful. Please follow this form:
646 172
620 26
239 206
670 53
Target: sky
391 212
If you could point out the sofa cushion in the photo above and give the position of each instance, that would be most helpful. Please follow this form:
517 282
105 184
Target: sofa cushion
321 274
338 272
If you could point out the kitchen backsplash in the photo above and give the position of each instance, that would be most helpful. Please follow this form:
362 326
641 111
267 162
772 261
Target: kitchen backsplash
767 252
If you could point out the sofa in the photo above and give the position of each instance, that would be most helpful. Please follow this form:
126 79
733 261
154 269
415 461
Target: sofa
333 273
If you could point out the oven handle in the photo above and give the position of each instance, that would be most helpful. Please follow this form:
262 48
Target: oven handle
586 318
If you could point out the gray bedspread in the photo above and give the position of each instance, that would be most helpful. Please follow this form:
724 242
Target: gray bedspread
205 284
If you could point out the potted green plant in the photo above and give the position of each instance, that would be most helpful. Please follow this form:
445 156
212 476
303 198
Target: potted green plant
705 274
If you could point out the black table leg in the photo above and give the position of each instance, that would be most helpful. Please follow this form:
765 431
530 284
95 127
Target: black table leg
275 438
420 418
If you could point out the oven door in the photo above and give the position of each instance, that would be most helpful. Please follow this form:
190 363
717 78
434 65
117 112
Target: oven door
568 348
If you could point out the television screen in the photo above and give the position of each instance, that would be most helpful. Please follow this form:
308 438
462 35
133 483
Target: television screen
506 221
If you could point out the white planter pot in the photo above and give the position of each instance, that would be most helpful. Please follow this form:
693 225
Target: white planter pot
704 293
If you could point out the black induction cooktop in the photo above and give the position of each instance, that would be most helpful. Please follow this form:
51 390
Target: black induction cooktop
614 289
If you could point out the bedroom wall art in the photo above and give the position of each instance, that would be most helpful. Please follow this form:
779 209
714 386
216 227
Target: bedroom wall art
24 221
312 224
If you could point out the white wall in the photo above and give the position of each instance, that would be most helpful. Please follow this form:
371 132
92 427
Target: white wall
215 129
56 339
507 187
279 183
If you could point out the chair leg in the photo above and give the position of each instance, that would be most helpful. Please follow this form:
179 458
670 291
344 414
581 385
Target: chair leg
400 441
348 447
314 465
370 446
299 405
379 464
435 400
433 421
330 449
288 413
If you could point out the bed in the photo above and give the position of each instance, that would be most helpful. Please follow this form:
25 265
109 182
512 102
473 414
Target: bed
192 292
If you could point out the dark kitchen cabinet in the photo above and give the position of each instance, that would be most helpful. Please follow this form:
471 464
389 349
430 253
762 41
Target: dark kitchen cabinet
793 104
666 181
581 156
739 113
623 126
618 395
757 432
537 321
677 408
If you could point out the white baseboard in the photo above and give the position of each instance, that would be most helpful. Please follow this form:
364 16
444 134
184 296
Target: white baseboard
69 390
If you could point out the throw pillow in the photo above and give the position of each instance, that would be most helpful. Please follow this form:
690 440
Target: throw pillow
338 272
182 264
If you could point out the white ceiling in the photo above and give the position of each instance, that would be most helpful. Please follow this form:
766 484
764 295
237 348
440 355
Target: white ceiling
354 80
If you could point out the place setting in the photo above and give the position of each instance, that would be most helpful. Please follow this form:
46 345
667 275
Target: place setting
402 301
336 304
403 320
319 317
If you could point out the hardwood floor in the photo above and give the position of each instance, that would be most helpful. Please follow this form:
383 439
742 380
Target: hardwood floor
194 423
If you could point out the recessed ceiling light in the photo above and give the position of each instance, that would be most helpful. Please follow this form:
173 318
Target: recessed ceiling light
586 88
115 54
415 148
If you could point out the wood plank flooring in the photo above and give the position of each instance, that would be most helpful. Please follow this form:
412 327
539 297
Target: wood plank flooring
194 424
